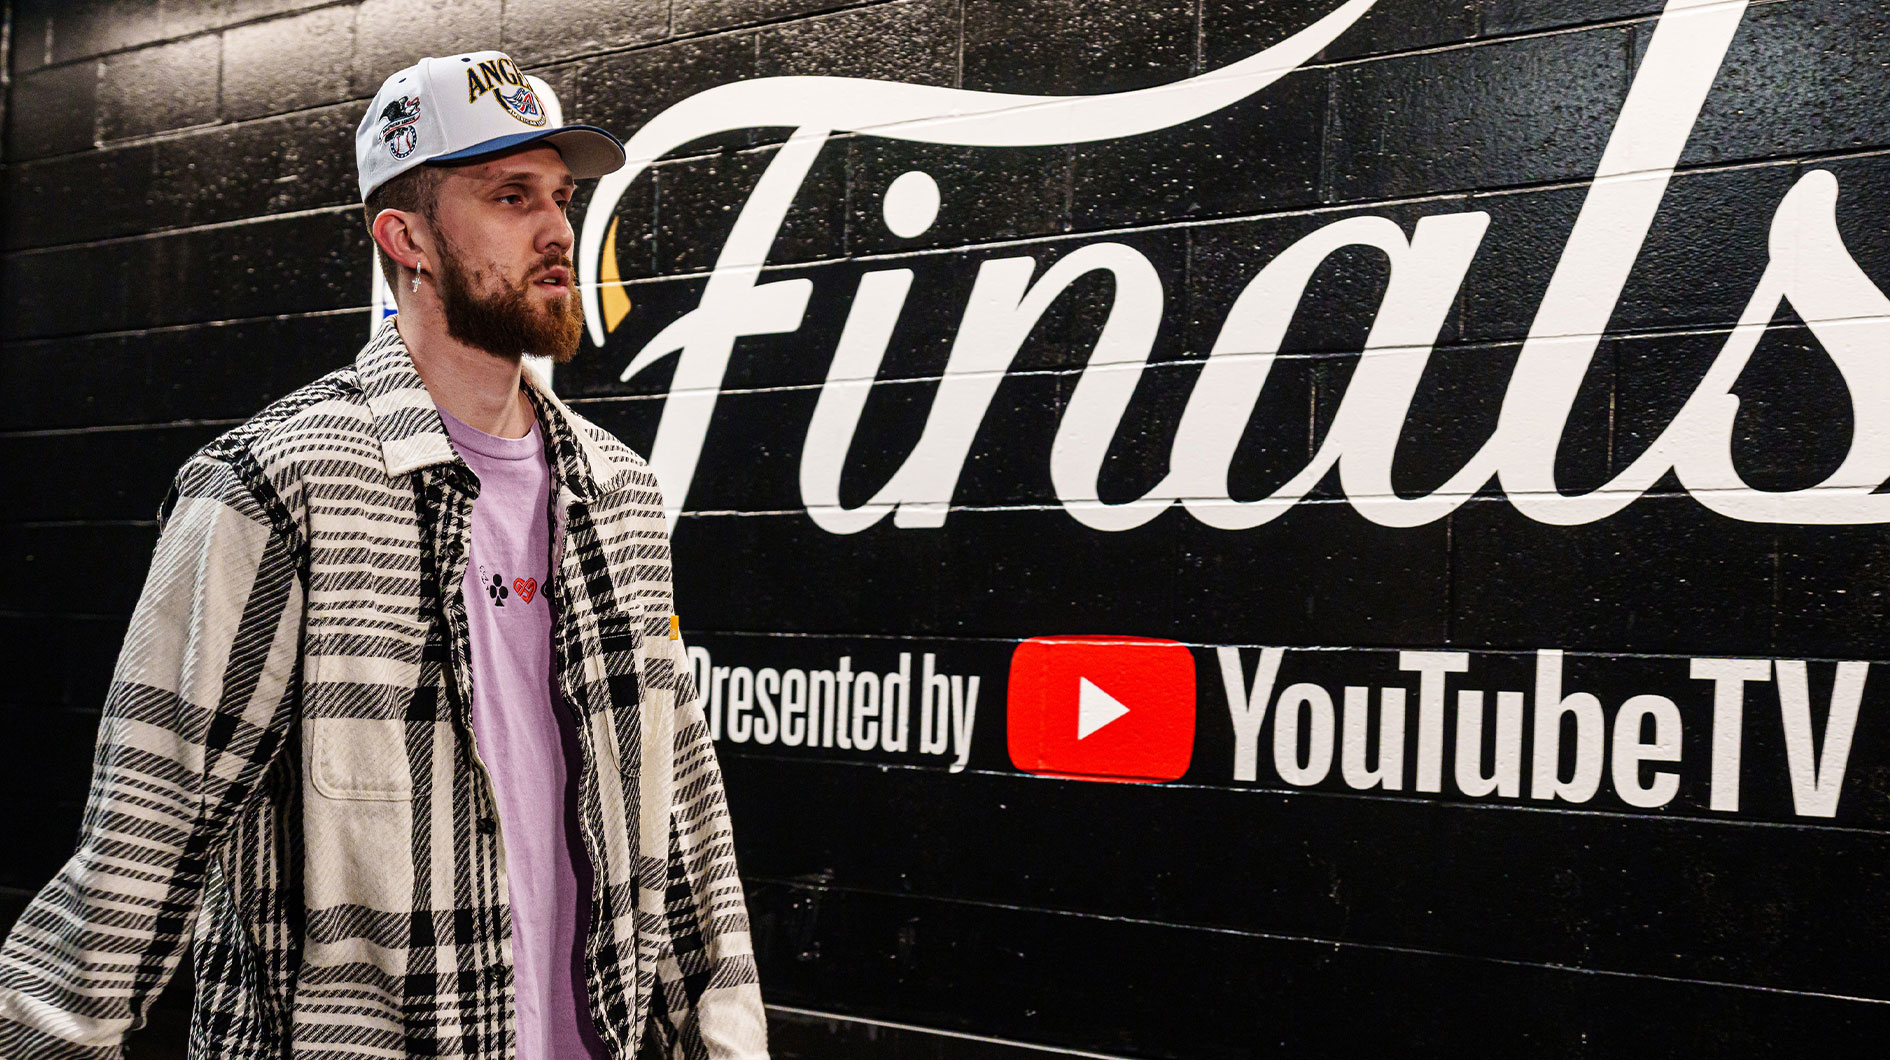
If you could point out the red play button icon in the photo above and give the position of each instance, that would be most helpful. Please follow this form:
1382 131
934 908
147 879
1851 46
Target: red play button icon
1102 708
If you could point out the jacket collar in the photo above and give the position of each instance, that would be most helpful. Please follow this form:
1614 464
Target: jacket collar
413 437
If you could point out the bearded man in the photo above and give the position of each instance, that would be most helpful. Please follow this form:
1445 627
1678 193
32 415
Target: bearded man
402 737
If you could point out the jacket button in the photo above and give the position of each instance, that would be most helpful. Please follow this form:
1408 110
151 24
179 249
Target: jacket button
487 826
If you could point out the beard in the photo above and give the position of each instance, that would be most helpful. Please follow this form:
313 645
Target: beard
514 320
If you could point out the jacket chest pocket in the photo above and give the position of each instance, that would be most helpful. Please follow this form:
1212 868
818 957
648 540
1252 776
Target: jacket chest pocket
360 758
617 643
613 672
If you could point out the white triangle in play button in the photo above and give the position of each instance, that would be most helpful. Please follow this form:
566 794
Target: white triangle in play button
1095 708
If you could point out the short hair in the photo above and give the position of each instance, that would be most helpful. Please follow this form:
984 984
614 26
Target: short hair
415 191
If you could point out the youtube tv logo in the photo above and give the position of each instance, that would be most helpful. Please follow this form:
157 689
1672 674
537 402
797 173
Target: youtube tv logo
1101 708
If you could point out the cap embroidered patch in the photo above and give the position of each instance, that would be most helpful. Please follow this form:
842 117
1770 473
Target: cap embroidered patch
522 103
501 78
397 130
675 627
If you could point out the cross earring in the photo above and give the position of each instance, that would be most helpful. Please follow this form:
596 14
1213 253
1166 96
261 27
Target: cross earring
416 281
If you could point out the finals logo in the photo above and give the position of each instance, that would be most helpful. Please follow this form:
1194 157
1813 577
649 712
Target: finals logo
1807 266
493 76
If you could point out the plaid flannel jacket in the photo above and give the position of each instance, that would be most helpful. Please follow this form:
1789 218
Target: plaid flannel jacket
285 771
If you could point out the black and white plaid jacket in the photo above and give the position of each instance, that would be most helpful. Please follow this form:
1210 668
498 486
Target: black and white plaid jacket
285 772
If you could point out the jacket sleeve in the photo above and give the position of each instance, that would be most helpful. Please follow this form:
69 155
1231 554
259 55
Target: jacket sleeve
200 698
710 991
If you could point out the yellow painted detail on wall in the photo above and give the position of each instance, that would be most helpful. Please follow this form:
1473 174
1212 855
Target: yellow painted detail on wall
610 293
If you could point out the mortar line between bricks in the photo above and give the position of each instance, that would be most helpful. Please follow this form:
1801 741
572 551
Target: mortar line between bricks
1470 195
90 616
1521 655
958 78
1515 655
802 883
182 132
1449 578
814 16
709 154
118 428
192 35
14 344
1286 794
755 28
162 233
1192 358
1200 39
1054 1050
1044 100
6 51
56 524
1160 505
1624 22
601 53
1189 359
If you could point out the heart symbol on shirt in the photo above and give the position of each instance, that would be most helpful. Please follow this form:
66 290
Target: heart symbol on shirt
525 588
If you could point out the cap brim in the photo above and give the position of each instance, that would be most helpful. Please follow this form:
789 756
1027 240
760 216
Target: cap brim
588 150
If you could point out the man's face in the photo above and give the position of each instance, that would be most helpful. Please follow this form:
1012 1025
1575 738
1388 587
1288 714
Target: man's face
505 277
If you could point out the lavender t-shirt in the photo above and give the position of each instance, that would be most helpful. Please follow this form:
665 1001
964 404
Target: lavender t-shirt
526 738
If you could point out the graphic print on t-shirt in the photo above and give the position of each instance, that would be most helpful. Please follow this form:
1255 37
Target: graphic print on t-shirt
497 592
495 586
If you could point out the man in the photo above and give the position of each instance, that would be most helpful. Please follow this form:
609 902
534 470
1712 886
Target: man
402 735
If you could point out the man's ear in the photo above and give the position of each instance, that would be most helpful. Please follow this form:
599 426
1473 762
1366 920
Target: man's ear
401 235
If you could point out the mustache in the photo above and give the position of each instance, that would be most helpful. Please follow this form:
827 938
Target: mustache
552 260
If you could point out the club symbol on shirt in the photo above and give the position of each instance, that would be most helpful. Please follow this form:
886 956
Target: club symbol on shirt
497 591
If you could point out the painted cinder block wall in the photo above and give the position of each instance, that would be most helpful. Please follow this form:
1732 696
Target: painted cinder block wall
182 243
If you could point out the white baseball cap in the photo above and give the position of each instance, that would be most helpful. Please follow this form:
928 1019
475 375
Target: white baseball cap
464 107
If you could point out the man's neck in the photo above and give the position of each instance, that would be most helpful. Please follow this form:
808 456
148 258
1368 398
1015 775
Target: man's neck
480 390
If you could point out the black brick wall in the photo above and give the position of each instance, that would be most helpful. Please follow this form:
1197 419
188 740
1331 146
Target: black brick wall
180 242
